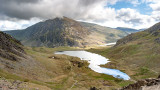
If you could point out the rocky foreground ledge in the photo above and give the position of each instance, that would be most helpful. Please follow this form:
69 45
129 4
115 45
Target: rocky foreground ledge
8 85
146 84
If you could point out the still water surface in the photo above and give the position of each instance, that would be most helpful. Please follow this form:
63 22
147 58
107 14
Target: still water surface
94 61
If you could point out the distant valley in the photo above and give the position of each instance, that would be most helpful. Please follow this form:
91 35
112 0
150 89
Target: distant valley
79 44
135 56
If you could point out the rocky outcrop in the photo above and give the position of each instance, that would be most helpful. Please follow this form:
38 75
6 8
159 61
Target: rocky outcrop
8 85
157 40
10 47
141 84
78 63
156 33
154 28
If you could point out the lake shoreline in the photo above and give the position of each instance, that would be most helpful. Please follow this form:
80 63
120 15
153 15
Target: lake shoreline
95 60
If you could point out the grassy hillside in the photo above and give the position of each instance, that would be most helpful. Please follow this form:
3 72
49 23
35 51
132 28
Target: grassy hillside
109 34
61 72
137 54
39 67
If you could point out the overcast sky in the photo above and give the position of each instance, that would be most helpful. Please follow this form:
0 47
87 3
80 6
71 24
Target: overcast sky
19 14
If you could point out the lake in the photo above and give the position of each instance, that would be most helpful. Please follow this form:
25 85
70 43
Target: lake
94 61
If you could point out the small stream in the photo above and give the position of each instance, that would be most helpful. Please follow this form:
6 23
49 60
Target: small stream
94 61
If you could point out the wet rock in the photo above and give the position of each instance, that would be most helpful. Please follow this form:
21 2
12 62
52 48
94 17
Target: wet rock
156 33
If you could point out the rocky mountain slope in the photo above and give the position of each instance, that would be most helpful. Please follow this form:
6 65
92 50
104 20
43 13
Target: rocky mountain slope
10 47
15 64
13 58
66 32
109 34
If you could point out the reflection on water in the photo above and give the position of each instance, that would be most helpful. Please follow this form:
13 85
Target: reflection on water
95 60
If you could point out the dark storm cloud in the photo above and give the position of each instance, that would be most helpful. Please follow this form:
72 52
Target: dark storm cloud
16 8
87 2
27 9
95 11
18 1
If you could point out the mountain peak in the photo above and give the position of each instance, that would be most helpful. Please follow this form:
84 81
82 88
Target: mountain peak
66 32
61 18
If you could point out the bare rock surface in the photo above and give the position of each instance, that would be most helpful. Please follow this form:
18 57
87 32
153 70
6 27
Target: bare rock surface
146 84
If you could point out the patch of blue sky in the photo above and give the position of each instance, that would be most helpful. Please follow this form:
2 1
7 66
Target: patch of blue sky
142 8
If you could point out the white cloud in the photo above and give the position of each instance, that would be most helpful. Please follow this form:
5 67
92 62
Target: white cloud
100 14
155 6
150 1
9 25
133 17
20 24
125 17
17 16
134 2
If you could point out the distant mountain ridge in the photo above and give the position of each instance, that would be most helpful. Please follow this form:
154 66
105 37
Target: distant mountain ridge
129 30
153 31
66 32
